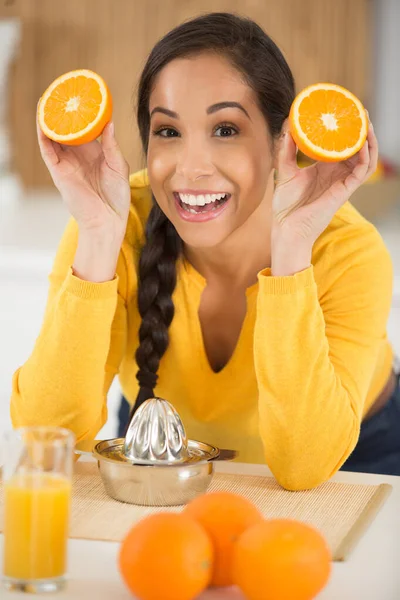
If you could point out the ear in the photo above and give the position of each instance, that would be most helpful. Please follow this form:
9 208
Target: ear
275 151
277 143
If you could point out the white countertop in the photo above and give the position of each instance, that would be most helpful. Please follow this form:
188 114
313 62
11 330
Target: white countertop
371 573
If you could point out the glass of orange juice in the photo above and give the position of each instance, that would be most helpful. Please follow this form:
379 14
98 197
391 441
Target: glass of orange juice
37 475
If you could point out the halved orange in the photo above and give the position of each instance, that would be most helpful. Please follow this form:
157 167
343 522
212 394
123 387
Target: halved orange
75 108
328 123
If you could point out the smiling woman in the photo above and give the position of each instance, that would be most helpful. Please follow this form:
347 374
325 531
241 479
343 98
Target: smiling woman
223 278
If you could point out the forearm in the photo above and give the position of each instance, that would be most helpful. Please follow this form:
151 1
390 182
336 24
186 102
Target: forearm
62 382
97 255
288 255
310 411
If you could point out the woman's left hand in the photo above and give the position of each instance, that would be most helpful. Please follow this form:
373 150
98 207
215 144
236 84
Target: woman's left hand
306 199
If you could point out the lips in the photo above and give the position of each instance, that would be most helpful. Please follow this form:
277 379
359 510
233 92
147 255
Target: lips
201 207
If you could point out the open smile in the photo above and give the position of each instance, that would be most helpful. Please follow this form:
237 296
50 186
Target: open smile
201 206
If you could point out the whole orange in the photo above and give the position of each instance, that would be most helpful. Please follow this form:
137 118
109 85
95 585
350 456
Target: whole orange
281 559
224 516
168 556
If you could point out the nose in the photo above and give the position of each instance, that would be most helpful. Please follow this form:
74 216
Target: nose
193 161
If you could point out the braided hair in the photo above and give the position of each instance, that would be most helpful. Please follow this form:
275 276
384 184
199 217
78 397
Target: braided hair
262 65
157 280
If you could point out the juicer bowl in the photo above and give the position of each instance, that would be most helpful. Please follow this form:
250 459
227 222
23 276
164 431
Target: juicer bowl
170 484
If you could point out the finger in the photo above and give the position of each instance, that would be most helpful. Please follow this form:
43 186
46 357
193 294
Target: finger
287 155
48 148
358 175
373 151
112 153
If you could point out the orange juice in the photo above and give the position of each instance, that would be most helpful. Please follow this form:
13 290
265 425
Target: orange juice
36 526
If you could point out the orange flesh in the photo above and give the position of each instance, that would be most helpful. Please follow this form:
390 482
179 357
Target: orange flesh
343 109
82 95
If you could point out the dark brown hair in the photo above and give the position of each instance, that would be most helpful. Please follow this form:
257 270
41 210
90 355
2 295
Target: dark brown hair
253 54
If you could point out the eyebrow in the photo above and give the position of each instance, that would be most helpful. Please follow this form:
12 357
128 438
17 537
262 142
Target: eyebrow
210 110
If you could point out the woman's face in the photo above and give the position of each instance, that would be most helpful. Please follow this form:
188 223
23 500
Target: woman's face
207 138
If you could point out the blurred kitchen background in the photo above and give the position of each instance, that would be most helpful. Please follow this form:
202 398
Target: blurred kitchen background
351 42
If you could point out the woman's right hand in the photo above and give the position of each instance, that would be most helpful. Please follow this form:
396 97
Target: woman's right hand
93 180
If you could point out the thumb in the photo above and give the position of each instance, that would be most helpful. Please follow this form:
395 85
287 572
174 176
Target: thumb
111 150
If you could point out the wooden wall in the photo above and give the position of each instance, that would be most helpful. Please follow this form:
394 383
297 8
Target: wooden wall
322 40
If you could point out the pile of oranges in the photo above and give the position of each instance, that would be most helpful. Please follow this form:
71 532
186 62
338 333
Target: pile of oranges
221 539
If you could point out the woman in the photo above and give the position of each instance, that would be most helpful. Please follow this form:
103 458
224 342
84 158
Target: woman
258 309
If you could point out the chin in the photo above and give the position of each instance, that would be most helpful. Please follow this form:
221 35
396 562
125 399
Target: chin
202 236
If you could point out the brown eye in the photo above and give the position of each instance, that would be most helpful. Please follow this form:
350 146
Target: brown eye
226 131
166 132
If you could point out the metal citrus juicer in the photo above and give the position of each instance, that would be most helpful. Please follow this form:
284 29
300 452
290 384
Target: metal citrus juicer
155 464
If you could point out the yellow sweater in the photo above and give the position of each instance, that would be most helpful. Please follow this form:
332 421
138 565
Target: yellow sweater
311 358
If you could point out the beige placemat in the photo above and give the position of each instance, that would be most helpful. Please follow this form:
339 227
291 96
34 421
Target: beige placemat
341 511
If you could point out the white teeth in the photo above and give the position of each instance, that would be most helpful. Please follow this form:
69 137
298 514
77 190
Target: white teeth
201 199
195 212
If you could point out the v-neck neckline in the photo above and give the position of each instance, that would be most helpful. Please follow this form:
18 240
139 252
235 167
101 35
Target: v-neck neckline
200 283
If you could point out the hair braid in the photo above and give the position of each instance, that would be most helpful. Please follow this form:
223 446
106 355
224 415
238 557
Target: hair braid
157 281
